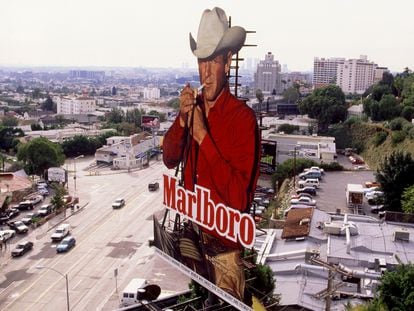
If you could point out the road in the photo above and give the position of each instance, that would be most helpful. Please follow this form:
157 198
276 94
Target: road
107 239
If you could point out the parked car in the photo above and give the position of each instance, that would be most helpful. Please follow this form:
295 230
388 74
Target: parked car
36 199
371 184
22 248
374 194
4 218
309 182
297 196
13 212
45 210
377 208
28 218
26 205
66 244
43 191
315 168
41 184
153 186
18 226
6 235
309 189
118 203
303 201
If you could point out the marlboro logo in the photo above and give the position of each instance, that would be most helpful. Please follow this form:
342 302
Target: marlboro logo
199 208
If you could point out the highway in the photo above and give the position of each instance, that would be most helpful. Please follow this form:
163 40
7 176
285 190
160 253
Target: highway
106 239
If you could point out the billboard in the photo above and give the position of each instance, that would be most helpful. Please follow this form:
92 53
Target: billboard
268 157
152 122
204 258
57 174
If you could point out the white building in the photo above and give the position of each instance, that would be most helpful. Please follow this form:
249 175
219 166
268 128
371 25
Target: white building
355 76
151 93
78 105
126 152
317 148
268 76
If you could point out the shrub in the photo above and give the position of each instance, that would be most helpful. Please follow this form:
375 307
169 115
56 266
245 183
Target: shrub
397 137
358 146
333 166
411 133
379 138
407 126
397 124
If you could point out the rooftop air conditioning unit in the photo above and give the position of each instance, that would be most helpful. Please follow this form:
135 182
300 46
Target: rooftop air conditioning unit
402 235
304 221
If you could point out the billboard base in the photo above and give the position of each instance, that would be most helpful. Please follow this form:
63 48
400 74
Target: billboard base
203 282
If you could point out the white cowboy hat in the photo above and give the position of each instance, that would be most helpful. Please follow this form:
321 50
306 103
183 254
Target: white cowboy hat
214 35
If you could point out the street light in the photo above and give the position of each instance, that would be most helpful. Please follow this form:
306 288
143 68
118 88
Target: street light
74 168
294 164
63 275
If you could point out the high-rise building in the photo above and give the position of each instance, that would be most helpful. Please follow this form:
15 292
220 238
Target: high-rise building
268 77
324 71
355 76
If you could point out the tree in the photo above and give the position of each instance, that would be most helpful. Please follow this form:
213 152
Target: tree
408 200
20 89
57 199
379 90
160 115
36 127
395 175
116 115
114 91
49 105
9 138
288 128
40 154
326 104
80 144
396 289
260 98
389 108
291 95
10 121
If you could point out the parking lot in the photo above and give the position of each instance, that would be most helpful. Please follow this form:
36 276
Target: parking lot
331 194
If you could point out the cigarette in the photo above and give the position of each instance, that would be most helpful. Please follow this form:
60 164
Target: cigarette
198 90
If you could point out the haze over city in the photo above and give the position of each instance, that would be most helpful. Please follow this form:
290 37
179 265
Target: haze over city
155 33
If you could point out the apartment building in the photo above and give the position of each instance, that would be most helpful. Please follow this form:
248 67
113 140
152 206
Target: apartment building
268 77
78 105
324 71
354 76
151 93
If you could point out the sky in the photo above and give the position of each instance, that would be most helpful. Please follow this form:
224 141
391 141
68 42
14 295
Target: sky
154 33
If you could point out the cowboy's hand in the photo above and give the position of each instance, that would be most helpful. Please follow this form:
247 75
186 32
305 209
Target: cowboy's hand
198 130
186 104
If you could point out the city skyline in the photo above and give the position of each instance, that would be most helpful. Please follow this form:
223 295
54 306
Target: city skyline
155 34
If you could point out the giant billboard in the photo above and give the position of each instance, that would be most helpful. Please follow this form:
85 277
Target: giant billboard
151 122
57 174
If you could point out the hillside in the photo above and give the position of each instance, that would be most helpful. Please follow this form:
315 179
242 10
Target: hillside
363 134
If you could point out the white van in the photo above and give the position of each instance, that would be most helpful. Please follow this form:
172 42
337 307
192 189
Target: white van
313 182
61 232
130 293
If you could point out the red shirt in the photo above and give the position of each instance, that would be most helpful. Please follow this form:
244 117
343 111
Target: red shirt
228 157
